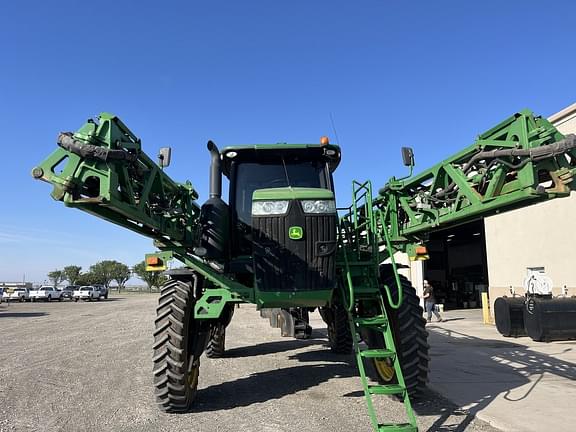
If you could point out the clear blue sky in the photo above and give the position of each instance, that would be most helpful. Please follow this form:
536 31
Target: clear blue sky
430 74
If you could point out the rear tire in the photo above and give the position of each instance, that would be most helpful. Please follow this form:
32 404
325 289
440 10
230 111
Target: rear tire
410 338
178 343
217 343
339 336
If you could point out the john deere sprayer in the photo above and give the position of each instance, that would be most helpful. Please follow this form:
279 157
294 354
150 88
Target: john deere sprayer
280 242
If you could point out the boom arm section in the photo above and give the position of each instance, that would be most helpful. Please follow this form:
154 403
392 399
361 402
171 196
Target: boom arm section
521 161
101 169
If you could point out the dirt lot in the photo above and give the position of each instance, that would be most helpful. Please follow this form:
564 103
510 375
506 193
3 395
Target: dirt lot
87 367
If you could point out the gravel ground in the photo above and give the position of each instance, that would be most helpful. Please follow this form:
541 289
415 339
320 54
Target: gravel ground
87 367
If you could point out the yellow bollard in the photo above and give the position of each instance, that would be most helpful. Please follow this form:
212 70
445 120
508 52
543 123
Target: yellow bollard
486 309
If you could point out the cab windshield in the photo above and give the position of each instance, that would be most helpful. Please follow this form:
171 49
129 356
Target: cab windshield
275 173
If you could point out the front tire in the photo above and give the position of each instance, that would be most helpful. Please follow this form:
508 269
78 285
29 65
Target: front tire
179 340
410 338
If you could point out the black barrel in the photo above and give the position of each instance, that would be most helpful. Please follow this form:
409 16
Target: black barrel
550 319
509 316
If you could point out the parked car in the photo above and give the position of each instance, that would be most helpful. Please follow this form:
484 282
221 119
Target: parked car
47 293
103 290
1 295
68 292
87 292
20 294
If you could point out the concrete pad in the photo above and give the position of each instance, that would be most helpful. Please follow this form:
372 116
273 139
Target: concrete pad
515 384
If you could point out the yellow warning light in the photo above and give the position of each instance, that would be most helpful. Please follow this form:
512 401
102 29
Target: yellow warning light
324 141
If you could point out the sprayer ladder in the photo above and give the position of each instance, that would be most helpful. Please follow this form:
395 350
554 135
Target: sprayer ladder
360 253
380 324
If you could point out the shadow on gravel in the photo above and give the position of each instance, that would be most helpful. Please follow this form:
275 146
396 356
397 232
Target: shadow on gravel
96 301
22 314
275 384
270 348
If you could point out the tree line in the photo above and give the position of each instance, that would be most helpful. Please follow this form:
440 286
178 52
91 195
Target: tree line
104 273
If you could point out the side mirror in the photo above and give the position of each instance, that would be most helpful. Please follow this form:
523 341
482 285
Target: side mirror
164 157
408 156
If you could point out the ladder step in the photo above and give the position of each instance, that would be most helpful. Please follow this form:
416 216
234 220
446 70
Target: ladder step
397 427
390 389
375 321
377 353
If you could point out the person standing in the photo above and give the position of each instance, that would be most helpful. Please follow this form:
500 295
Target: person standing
430 302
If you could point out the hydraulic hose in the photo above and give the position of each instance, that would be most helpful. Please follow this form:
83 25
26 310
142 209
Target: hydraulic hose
67 141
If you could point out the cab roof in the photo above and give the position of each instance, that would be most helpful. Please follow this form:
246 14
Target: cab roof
255 152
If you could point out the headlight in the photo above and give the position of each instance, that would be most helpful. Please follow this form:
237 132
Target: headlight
319 206
265 208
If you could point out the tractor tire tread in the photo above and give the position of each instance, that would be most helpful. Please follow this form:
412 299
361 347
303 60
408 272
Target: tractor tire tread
341 340
410 336
169 371
217 343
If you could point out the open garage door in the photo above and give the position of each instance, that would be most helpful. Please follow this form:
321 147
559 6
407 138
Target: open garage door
457 266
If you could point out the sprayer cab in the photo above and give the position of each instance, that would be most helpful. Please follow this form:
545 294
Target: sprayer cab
279 196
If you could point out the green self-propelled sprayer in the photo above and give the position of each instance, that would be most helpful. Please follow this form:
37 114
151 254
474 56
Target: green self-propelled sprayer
280 242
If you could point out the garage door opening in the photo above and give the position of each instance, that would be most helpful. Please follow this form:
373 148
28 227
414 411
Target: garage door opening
457 266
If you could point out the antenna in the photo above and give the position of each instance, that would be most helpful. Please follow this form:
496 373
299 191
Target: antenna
334 128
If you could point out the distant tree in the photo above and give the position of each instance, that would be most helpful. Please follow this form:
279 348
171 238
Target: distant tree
56 277
120 273
103 271
87 278
152 278
71 274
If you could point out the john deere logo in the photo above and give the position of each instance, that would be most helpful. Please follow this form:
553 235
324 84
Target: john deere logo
295 233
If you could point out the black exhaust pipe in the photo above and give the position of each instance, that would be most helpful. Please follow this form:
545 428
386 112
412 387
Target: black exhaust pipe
215 171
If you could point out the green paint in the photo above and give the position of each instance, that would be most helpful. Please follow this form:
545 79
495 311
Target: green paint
271 299
212 303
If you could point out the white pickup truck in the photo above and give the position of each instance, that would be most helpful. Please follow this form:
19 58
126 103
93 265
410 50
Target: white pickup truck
20 294
86 292
46 293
